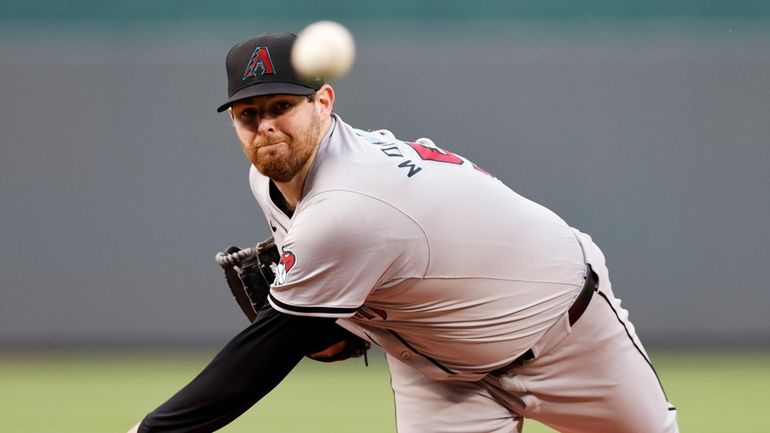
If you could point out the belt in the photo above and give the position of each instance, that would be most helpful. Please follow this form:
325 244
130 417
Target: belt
574 312
584 297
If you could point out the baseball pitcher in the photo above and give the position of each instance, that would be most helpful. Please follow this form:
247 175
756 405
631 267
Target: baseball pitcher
491 308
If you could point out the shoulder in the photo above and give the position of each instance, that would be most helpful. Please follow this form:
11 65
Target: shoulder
345 136
348 208
358 218
361 237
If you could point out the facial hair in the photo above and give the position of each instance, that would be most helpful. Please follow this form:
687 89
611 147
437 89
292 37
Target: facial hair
282 162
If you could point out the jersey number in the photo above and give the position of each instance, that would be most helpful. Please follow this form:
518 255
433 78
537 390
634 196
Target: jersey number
436 154
441 155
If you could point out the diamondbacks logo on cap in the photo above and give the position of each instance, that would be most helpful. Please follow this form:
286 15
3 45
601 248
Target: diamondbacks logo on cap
288 259
259 64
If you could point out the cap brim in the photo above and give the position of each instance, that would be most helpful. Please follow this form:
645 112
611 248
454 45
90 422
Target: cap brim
266 88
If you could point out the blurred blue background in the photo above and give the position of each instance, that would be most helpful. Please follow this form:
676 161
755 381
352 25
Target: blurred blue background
645 124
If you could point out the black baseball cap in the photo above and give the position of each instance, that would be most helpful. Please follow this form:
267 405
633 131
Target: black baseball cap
262 66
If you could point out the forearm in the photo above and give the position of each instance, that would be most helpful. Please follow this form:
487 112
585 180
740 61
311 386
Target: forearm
246 369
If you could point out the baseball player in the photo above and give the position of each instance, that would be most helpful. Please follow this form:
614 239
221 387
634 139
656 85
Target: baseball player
489 307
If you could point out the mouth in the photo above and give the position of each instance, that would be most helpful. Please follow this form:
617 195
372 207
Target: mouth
270 145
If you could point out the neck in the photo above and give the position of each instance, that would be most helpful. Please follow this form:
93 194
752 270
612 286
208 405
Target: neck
292 189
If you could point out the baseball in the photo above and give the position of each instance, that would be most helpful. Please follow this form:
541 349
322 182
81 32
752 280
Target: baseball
324 48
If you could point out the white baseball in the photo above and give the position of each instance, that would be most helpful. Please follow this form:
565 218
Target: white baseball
324 48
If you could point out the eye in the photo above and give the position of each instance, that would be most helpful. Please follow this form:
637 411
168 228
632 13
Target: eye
280 108
248 115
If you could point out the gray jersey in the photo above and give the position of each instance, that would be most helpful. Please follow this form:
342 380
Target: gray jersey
421 252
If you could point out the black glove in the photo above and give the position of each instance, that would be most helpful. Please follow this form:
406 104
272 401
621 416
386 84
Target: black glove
249 274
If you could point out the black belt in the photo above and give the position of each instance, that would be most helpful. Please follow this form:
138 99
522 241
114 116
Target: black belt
584 297
575 311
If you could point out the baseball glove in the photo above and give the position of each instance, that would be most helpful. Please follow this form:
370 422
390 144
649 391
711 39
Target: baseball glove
249 273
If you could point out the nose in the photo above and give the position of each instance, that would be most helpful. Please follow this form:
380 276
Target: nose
266 126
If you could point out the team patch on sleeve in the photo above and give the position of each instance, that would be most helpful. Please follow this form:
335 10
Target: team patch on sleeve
287 262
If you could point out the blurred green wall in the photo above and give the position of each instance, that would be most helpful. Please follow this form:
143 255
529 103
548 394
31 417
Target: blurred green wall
127 11
645 124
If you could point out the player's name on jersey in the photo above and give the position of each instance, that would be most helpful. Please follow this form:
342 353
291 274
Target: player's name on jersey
391 149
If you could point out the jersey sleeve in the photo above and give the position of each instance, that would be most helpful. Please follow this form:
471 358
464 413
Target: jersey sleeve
243 372
341 246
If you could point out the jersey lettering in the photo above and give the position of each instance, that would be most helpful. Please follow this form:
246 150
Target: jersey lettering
392 151
413 169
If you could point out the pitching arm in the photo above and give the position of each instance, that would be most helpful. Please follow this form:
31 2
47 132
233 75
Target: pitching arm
247 369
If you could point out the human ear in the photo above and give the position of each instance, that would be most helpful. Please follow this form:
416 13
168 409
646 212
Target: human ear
325 99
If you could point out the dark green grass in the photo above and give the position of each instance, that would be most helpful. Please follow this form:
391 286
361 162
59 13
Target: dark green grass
109 392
